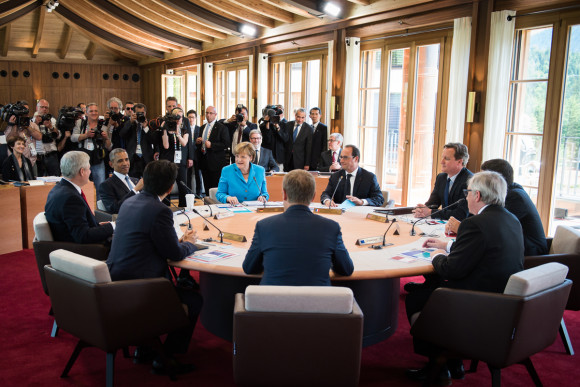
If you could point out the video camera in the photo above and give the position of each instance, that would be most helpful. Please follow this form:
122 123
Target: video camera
141 117
171 121
67 117
273 112
18 110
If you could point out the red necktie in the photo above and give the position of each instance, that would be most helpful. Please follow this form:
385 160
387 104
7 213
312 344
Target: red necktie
85 199
334 157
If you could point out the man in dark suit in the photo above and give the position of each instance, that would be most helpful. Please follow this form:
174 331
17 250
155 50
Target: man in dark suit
119 187
360 186
239 131
139 140
211 146
275 136
67 210
489 248
330 160
319 138
299 145
449 185
264 156
297 247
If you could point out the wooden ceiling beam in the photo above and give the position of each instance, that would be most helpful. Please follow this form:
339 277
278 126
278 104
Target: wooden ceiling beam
39 28
12 5
107 36
290 8
149 28
310 6
234 12
361 2
206 17
18 13
64 41
90 51
265 9
6 39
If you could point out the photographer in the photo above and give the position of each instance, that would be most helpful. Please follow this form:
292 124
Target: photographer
274 134
239 129
175 134
66 121
47 163
114 119
18 123
139 141
93 138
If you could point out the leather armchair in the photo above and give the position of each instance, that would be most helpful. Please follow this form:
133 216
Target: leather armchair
296 348
109 315
499 329
44 244
564 249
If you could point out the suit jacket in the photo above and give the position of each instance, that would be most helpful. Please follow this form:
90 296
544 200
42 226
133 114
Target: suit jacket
232 183
9 171
319 144
325 160
519 203
436 199
275 140
366 187
71 219
144 240
298 152
232 126
488 249
113 192
297 248
148 144
214 158
267 160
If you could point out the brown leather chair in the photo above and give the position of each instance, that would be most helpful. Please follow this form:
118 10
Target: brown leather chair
565 249
44 244
109 315
499 329
297 336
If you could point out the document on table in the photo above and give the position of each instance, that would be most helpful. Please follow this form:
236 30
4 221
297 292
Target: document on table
257 203
412 255
210 256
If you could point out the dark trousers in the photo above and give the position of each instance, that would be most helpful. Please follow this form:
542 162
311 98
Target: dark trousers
48 164
178 341
137 167
182 176
210 179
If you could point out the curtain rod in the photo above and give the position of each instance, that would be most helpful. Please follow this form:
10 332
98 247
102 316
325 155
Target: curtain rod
509 18
406 34
294 52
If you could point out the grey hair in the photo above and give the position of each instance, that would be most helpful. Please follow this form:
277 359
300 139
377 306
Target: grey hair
300 110
254 131
115 152
338 137
72 162
491 186
114 99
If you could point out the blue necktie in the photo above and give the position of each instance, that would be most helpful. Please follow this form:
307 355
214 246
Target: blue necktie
446 193
129 184
296 132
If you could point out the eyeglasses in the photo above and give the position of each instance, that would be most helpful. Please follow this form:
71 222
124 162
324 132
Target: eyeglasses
466 191
43 107
332 140
345 157
129 108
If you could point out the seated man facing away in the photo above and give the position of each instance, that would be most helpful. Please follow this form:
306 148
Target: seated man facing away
518 203
119 187
67 210
297 248
360 186
145 239
488 250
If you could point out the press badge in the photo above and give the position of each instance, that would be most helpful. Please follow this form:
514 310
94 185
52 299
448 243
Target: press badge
32 147
138 151
177 157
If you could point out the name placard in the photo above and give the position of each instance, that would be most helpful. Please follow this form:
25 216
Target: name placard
378 218
331 211
270 209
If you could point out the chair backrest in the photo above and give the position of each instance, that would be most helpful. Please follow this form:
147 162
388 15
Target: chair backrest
42 228
386 196
536 279
213 193
566 241
79 266
299 299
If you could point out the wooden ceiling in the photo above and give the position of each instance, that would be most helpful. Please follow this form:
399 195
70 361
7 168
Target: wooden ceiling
132 31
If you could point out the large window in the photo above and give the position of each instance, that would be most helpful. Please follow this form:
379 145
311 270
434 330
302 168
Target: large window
184 85
231 87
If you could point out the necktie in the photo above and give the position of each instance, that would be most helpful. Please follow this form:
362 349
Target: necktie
257 156
129 184
296 131
205 136
348 188
239 135
85 199
334 157
446 193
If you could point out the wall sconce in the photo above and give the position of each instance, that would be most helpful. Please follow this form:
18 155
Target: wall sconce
472 112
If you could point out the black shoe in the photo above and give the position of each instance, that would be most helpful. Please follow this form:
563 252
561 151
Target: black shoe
456 369
171 366
187 283
421 375
411 287
144 355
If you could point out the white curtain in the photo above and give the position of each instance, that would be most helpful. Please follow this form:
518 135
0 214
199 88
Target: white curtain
208 84
326 103
352 78
498 76
458 72
262 98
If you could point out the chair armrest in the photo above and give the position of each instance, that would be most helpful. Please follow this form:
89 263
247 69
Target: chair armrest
207 200
103 216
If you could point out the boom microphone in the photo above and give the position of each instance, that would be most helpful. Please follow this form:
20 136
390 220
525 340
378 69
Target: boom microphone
433 213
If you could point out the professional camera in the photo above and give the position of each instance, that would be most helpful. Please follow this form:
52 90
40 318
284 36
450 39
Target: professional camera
141 117
18 110
67 117
273 112
171 121
117 117
46 117
239 114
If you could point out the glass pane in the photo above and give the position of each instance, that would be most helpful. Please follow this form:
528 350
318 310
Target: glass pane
532 54
191 102
567 183
312 86
424 115
370 81
220 92
232 100
278 83
370 69
295 89
397 90
173 87
243 87
369 155
524 155
528 107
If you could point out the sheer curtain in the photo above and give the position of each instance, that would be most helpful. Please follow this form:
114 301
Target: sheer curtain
351 108
458 79
208 84
262 98
498 76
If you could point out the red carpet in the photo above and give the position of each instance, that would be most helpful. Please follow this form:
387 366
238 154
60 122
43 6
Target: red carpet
30 357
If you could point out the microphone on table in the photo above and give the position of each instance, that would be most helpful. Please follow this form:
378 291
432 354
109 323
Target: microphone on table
378 247
194 194
259 190
221 234
433 213
335 188
183 212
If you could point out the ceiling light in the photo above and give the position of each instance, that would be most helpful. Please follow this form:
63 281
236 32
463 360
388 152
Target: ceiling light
248 30
51 5
331 9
